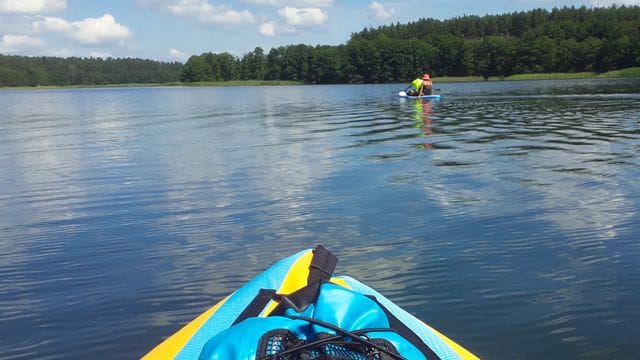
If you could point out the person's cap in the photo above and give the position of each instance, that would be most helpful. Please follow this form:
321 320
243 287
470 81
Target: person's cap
425 77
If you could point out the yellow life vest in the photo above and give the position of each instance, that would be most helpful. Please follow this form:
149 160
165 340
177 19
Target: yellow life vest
416 84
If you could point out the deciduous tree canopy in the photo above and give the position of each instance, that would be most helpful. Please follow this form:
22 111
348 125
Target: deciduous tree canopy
561 40
53 71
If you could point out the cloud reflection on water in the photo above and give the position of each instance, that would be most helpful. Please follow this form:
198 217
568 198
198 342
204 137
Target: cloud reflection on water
165 200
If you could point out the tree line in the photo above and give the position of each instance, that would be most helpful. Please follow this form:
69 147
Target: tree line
55 71
565 39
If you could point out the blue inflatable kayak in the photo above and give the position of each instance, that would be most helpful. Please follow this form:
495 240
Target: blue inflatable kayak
297 309
404 95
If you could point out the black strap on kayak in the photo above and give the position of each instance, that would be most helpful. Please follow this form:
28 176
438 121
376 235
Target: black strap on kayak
298 301
322 265
320 271
256 305
404 331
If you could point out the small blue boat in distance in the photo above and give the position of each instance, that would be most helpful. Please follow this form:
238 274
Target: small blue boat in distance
404 95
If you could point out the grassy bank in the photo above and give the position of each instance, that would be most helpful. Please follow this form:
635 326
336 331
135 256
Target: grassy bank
58 87
177 83
629 72
236 83
448 79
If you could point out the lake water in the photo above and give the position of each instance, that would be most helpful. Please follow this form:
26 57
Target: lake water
506 215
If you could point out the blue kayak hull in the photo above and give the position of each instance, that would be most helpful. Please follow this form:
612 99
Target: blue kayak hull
342 301
427 97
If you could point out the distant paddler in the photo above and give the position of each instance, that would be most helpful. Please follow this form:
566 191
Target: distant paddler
420 86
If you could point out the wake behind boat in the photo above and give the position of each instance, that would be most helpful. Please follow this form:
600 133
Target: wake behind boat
297 309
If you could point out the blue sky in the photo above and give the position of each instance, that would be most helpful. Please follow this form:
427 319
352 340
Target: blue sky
170 30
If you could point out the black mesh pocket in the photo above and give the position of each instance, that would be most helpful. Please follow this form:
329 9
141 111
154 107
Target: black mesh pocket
356 351
282 344
275 342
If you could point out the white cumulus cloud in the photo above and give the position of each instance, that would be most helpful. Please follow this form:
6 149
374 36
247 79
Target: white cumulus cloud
267 28
10 43
378 13
100 54
298 3
303 17
31 6
314 3
100 30
93 31
606 3
178 55
202 11
52 24
262 2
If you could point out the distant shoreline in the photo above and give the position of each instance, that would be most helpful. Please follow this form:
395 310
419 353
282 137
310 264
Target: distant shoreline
169 84
624 73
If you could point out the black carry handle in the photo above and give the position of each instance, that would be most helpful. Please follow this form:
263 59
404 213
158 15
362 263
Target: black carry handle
322 265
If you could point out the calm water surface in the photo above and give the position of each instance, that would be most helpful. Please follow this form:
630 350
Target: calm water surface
507 215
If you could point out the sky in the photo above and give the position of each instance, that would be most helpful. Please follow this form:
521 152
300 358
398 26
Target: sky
173 30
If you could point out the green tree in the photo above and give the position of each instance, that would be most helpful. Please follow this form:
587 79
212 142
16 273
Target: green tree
254 64
197 69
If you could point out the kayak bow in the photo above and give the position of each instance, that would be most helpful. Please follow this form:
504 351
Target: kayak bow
296 308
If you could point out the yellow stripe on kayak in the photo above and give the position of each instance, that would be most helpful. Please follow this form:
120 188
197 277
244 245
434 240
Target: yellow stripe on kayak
295 279
297 275
341 282
462 352
170 348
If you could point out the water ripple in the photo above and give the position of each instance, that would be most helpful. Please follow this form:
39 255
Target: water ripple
504 212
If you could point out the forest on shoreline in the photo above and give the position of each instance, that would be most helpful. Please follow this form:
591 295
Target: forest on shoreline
54 71
562 40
